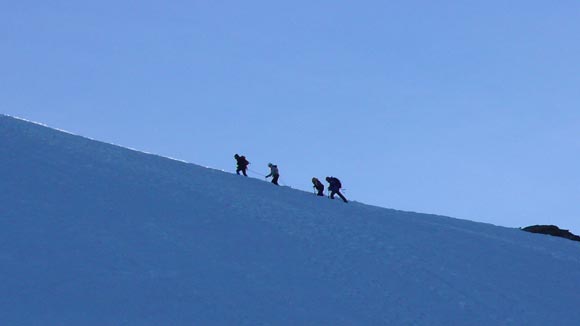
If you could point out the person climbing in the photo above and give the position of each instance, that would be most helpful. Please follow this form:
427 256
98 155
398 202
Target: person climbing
273 173
318 186
242 164
334 186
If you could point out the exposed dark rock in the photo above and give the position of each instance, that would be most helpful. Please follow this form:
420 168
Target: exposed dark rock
552 230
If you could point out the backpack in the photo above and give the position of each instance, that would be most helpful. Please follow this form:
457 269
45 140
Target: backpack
317 184
334 183
243 161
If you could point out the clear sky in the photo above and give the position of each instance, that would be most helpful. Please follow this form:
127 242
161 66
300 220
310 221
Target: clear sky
466 109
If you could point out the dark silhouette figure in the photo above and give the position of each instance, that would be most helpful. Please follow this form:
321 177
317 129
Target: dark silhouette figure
334 186
242 164
318 186
273 173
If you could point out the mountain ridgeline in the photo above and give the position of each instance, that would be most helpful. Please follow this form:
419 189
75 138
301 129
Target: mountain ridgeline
97 234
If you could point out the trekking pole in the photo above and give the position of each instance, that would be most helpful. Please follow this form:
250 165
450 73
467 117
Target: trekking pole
254 172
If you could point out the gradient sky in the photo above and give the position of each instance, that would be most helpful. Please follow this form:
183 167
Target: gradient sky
465 109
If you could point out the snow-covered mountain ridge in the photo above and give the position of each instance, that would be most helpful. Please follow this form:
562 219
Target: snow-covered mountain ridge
96 234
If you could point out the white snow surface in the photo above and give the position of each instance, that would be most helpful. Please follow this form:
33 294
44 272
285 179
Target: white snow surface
97 234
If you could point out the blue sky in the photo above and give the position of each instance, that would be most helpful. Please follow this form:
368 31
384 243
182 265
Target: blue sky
463 109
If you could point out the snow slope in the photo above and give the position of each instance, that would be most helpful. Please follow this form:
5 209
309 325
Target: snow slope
96 234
